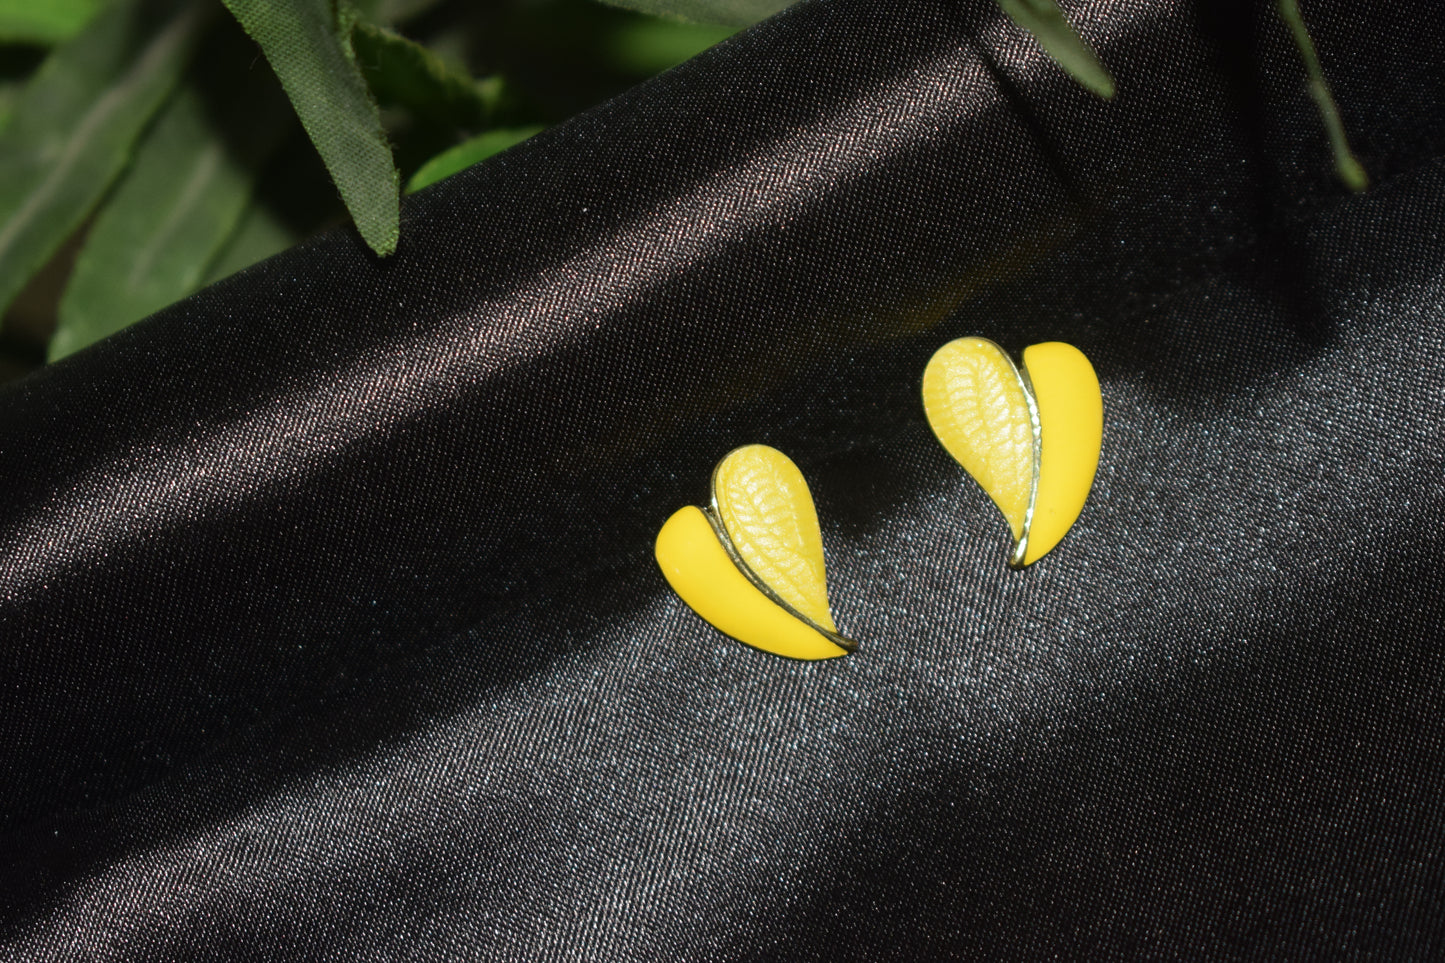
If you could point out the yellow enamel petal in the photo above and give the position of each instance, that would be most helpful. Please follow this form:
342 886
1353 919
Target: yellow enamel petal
1071 421
700 570
767 511
975 403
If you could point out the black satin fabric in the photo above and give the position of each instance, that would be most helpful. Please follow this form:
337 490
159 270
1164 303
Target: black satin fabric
331 628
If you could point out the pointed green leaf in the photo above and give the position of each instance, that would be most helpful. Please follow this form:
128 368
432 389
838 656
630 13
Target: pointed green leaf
166 221
646 47
44 21
730 13
466 154
402 72
259 235
1347 167
308 46
1046 22
74 126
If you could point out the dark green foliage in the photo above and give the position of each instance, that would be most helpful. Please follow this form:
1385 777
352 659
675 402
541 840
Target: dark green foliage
166 223
404 73
649 46
467 153
75 125
44 21
259 235
308 45
150 136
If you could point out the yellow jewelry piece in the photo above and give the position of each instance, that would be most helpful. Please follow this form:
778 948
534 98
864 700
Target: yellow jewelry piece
1030 438
751 563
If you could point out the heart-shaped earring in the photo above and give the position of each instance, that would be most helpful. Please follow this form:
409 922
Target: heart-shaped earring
751 563
1030 437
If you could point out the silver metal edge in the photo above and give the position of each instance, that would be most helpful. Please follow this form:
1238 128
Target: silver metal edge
1021 371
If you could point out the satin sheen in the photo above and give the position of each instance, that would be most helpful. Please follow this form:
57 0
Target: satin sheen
329 621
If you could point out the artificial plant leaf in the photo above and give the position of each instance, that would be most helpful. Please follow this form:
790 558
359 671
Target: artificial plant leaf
166 221
402 72
259 235
1347 167
731 13
74 127
307 44
44 21
647 47
18 64
9 91
393 11
467 153
1046 22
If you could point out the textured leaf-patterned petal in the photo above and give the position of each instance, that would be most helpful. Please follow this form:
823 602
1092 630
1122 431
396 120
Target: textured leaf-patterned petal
767 511
975 403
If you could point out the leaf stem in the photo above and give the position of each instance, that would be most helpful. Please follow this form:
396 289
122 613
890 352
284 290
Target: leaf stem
1348 167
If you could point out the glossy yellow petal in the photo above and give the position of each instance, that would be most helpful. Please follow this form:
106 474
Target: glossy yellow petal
1071 426
701 571
767 511
975 403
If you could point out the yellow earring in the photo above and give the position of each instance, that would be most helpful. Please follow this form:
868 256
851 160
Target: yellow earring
1029 437
751 563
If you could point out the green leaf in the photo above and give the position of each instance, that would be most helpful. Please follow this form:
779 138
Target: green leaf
308 46
731 13
466 154
75 125
1347 167
647 47
401 72
1046 22
8 94
259 235
393 11
44 22
166 221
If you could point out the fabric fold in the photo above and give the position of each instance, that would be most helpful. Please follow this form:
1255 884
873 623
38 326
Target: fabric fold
328 618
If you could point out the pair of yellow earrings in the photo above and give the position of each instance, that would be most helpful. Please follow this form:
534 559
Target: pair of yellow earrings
751 563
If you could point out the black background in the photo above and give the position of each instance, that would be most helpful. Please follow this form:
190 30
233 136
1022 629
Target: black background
330 623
